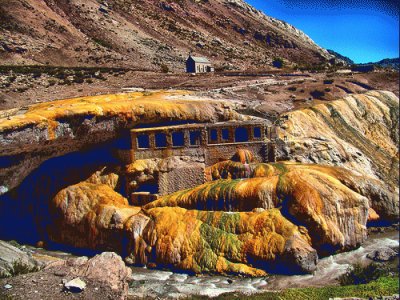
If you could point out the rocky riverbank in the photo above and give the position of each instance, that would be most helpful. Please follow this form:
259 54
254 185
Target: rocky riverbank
104 272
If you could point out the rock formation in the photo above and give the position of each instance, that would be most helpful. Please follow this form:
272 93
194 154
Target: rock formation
360 132
312 196
58 178
96 217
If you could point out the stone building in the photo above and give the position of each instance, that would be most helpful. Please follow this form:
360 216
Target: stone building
202 145
197 64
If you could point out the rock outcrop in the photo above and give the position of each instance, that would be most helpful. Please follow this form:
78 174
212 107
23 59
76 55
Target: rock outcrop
96 217
10 255
359 132
248 219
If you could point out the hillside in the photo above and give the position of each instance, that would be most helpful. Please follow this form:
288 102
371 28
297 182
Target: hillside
144 35
393 63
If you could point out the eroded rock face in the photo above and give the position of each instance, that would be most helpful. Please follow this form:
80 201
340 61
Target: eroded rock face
96 217
359 132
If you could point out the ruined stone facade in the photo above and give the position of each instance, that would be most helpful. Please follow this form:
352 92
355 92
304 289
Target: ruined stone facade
206 144
213 142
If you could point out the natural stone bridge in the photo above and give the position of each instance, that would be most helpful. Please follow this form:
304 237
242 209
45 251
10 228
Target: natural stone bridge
205 144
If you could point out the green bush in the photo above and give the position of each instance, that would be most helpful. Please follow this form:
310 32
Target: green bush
384 286
78 80
328 81
358 274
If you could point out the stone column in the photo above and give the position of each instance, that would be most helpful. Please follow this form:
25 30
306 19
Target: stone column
169 139
231 134
249 129
186 137
134 142
204 137
152 141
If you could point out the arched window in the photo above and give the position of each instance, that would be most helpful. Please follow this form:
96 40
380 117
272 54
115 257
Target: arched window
257 132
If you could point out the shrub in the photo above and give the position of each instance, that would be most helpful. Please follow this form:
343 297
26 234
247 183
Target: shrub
18 267
327 90
328 81
292 88
52 82
78 80
317 94
164 68
277 62
358 274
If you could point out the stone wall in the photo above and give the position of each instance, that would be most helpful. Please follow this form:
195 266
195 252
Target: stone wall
183 177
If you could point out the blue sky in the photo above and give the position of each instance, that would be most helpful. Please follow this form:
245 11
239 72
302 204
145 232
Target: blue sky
363 30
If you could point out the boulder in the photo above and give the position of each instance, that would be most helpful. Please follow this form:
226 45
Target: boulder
10 254
107 268
76 285
382 254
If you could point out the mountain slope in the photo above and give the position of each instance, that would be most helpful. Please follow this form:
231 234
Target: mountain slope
146 34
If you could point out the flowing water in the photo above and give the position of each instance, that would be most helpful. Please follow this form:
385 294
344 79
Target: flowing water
163 284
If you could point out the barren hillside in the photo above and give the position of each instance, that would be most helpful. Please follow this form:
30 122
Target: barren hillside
145 34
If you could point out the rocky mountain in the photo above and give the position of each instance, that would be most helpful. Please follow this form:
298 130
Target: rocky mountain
148 34
392 63
341 57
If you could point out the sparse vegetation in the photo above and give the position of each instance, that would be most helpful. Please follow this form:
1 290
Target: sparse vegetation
328 81
317 94
278 63
102 43
164 68
358 274
383 286
19 267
